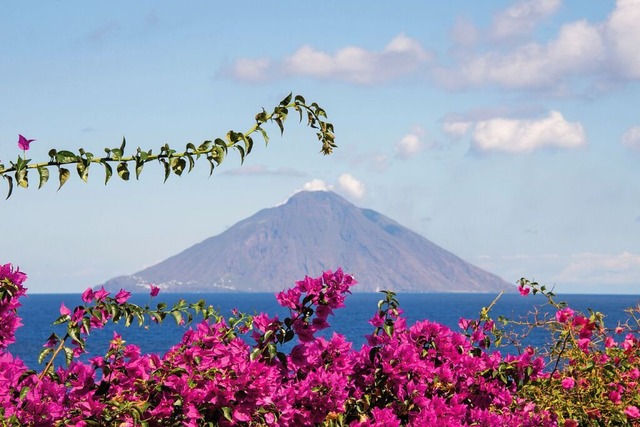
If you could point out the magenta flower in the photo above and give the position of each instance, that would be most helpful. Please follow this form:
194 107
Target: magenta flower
23 143
154 290
64 311
523 291
122 296
87 296
100 294
564 315
632 411
568 383
614 396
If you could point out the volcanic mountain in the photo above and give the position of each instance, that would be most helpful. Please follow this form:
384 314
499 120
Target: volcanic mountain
310 233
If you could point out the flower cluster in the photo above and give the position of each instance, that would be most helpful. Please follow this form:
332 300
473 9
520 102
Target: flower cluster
11 290
234 372
595 375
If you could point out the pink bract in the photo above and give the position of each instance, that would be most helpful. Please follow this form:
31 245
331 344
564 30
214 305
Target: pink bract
23 143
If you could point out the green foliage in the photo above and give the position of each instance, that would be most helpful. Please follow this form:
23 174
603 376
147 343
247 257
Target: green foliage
213 151
592 372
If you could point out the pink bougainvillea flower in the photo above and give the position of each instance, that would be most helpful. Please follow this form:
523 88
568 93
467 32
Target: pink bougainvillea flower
614 396
523 291
565 314
154 290
568 383
100 294
87 296
632 412
64 311
23 143
122 296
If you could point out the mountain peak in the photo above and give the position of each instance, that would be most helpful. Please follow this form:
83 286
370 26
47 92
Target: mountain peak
316 196
312 232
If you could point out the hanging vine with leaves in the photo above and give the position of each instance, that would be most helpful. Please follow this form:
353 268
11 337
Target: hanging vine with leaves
214 151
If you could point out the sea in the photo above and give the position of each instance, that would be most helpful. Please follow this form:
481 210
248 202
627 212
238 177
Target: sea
38 312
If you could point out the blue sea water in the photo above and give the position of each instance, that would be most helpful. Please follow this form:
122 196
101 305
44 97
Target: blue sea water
40 310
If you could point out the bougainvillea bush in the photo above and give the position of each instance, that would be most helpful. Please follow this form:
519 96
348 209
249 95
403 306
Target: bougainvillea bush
233 371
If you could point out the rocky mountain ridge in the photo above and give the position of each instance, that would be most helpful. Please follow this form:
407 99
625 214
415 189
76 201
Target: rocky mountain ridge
310 233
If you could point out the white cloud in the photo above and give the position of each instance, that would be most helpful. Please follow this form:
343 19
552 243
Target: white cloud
347 184
251 70
351 185
411 144
592 268
456 129
575 51
622 33
597 51
517 136
317 185
401 56
521 18
631 138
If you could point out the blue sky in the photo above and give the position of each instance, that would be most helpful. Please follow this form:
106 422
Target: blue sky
507 132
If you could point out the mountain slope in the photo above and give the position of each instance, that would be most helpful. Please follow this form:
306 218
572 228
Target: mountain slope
312 232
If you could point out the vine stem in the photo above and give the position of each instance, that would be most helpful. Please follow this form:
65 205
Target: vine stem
53 357
150 158
325 129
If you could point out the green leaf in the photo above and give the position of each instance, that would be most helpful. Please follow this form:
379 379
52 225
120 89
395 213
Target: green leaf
10 182
167 169
62 319
74 333
108 171
123 171
116 154
248 143
139 166
22 178
205 146
83 170
124 143
178 164
241 150
264 135
226 411
66 157
278 120
191 162
219 153
262 117
388 329
43 172
64 175
221 144
211 165
86 323
44 353
287 100
178 316
68 353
